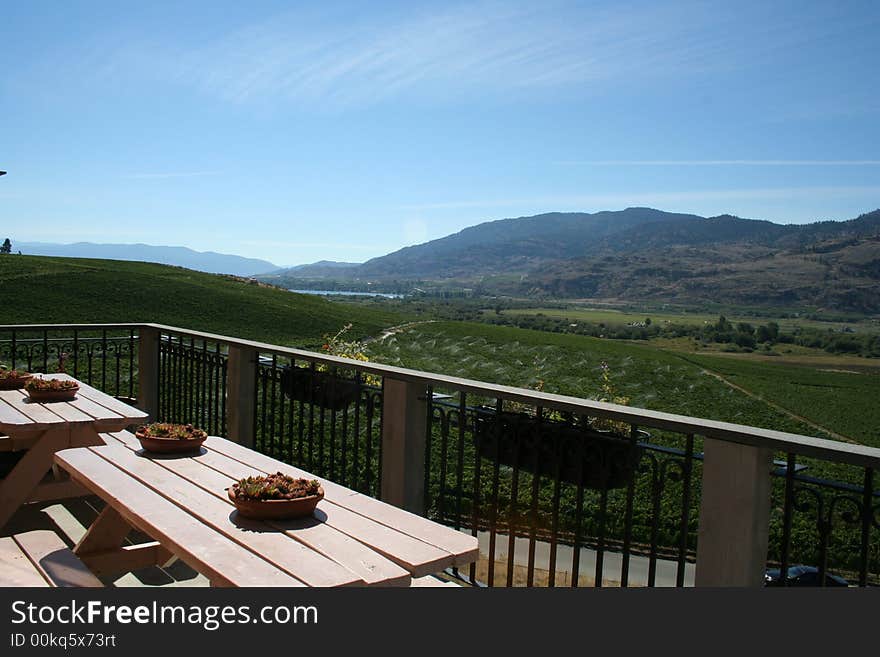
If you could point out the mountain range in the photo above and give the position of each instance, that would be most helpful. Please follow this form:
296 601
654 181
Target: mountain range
640 254
206 261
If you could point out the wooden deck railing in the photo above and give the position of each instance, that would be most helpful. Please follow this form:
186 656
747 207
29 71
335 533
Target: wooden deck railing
421 455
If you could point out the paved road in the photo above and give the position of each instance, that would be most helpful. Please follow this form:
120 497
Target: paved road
613 561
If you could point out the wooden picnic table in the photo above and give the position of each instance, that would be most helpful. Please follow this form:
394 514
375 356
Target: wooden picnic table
181 502
42 428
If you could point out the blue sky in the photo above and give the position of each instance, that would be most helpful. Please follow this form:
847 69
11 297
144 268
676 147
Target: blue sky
304 131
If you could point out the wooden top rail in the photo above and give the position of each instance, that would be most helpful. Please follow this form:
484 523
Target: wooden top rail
831 450
64 327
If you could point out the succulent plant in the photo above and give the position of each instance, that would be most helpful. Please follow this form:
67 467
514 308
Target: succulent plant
54 385
172 431
276 486
13 374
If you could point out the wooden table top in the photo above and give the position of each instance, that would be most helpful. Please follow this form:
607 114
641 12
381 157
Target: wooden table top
181 501
19 414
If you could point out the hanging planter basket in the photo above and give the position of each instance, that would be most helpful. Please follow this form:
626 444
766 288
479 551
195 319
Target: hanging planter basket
321 388
600 460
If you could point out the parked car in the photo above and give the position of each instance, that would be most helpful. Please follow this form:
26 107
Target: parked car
802 576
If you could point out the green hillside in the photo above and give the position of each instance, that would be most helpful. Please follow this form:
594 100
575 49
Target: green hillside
70 290
786 398
570 364
840 399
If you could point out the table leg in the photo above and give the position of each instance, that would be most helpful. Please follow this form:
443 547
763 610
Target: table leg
102 550
63 488
19 484
85 435
107 532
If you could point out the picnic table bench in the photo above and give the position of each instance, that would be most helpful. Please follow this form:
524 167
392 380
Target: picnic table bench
181 502
39 429
40 558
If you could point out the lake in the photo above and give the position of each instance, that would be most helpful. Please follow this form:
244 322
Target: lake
346 293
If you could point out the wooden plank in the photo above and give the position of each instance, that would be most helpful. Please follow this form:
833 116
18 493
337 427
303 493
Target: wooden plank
276 547
217 557
107 532
64 410
41 415
414 554
57 490
463 547
54 559
431 582
84 435
214 472
127 558
19 484
102 417
15 567
130 413
13 420
21 442
418 557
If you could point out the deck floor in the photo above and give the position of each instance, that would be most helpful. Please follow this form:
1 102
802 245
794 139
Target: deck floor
70 519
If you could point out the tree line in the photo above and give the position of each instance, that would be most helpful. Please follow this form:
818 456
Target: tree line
742 336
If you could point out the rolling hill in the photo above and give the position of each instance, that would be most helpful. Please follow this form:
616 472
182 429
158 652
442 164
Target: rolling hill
179 256
69 290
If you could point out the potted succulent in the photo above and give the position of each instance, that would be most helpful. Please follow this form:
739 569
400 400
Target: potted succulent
275 496
13 379
49 390
165 437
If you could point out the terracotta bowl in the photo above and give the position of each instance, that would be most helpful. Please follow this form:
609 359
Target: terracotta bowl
14 384
277 509
169 445
52 395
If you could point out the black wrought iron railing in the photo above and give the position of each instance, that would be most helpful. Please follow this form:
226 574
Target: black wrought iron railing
527 503
830 524
530 490
192 382
104 356
560 491
327 421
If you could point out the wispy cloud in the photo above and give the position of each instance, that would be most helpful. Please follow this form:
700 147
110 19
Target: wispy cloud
711 163
341 58
170 174
585 201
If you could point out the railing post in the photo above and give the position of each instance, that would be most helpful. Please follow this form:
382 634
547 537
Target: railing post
241 394
403 444
734 515
148 371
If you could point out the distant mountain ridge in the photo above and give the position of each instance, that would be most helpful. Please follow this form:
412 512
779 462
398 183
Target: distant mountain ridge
512 245
646 254
180 256
321 269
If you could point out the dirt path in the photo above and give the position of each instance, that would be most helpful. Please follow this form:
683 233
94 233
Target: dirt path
394 330
782 409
